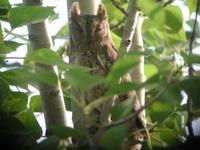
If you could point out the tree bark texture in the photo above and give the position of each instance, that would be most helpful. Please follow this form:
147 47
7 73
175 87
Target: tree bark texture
82 56
132 40
52 96
129 27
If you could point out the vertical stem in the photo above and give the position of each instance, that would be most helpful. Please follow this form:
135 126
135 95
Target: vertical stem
138 74
52 96
80 120
190 71
129 27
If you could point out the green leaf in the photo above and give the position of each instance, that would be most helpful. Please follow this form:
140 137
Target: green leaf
168 18
4 90
191 86
122 88
192 58
23 15
164 137
17 102
51 143
113 138
30 122
35 103
62 33
122 66
121 109
68 103
4 2
172 94
16 76
177 122
174 18
169 136
116 39
64 132
10 123
159 111
112 11
42 75
45 56
153 10
150 70
4 9
83 80
178 36
2 46
191 5
11 45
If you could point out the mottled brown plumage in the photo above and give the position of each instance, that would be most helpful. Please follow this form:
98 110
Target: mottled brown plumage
92 46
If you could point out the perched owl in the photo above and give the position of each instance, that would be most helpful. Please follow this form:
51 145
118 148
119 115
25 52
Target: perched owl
91 40
91 45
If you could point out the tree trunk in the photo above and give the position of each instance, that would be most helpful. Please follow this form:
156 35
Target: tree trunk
80 119
52 96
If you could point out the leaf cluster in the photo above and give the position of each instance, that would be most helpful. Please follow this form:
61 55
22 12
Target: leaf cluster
165 38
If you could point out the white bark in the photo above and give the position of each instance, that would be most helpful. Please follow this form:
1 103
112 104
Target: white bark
138 74
52 96
129 27
88 7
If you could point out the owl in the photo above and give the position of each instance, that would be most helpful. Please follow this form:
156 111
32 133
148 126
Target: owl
91 45
91 40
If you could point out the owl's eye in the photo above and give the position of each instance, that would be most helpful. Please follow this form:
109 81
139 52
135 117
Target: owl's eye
99 28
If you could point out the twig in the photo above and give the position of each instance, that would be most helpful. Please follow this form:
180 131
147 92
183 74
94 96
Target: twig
118 7
12 57
132 116
191 71
194 28
118 25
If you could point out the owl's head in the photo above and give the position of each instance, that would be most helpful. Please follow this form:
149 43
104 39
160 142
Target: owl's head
89 29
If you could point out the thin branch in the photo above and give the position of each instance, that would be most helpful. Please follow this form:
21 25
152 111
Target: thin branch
118 25
191 71
132 116
129 28
118 7
12 57
194 28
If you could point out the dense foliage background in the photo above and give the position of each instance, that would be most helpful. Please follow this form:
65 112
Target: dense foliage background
167 33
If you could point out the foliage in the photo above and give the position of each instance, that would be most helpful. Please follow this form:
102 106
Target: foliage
165 37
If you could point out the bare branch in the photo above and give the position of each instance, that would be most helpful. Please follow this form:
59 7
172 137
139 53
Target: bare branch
118 25
129 27
12 57
191 71
134 115
118 7
51 96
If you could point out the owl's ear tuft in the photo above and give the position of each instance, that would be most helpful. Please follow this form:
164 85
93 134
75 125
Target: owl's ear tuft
101 12
75 10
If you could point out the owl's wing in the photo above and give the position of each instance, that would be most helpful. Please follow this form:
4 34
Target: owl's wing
111 50
108 56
